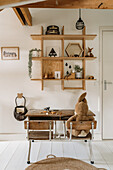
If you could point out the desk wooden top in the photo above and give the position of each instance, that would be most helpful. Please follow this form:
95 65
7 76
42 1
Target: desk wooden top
57 114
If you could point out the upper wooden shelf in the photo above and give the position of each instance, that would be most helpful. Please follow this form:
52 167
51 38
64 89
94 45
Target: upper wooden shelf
63 58
65 37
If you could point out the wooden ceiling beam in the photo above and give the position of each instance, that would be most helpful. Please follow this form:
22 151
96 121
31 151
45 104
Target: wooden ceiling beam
19 15
14 3
27 15
23 15
73 4
90 4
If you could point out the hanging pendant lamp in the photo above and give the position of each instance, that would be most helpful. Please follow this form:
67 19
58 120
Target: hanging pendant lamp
80 22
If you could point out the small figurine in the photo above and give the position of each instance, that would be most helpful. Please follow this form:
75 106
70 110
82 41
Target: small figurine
91 77
52 53
47 108
71 76
89 53
70 55
53 112
46 75
76 55
51 76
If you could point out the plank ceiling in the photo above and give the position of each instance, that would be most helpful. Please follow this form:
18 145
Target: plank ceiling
21 7
88 4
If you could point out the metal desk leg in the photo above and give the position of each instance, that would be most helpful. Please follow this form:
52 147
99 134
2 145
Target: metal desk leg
29 152
50 131
90 145
91 152
55 129
64 129
70 131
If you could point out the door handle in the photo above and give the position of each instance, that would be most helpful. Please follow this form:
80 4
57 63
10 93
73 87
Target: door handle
105 84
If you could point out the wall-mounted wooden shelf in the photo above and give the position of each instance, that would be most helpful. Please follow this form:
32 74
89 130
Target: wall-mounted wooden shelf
57 63
63 79
72 88
36 79
63 58
79 79
52 79
60 37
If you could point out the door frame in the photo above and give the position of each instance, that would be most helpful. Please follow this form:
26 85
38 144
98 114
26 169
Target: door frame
101 30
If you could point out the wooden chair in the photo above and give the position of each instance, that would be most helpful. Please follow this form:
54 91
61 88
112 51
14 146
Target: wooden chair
38 130
83 125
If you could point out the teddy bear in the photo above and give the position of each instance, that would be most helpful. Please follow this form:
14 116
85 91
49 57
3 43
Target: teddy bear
89 53
82 113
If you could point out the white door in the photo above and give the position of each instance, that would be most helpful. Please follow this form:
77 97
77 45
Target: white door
107 53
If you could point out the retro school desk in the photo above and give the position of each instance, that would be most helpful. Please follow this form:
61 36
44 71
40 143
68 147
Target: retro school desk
41 124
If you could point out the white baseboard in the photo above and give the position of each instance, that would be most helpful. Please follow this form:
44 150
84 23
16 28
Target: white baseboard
12 137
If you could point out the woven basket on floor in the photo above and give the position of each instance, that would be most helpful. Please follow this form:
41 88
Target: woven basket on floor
60 163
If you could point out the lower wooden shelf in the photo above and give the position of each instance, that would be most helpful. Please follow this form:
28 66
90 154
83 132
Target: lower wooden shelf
36 79
53 79
72 88
64 88
64 79
79 79
45 79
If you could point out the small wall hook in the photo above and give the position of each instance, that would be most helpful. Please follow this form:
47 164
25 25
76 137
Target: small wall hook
19 95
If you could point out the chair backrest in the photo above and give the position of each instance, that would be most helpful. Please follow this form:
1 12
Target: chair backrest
38 125
82 125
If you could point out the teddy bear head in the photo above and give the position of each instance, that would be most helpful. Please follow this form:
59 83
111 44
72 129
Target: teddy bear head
81 107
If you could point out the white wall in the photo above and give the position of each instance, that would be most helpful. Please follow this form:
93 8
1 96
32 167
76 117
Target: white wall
14 74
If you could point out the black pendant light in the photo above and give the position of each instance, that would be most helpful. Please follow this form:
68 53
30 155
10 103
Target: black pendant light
80 22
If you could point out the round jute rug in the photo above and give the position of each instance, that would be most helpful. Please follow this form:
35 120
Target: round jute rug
61 163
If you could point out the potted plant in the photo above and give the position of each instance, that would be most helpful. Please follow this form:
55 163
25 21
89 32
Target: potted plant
32 53
35 52
78 72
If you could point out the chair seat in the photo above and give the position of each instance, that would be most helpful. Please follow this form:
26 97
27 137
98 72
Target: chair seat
40 135
89 135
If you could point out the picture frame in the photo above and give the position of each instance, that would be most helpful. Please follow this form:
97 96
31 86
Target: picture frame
52 51
74 50
57 74
10 53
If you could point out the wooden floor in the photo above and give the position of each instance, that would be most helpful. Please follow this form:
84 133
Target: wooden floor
13 155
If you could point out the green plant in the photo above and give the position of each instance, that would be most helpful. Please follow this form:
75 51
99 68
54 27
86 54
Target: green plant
77 68
30 61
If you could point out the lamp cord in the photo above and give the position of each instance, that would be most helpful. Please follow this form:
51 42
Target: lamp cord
79 13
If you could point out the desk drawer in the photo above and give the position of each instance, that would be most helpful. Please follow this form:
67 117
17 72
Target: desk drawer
40 135
38 125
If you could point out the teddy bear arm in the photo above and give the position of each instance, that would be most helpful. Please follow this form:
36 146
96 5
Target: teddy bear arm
72 118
